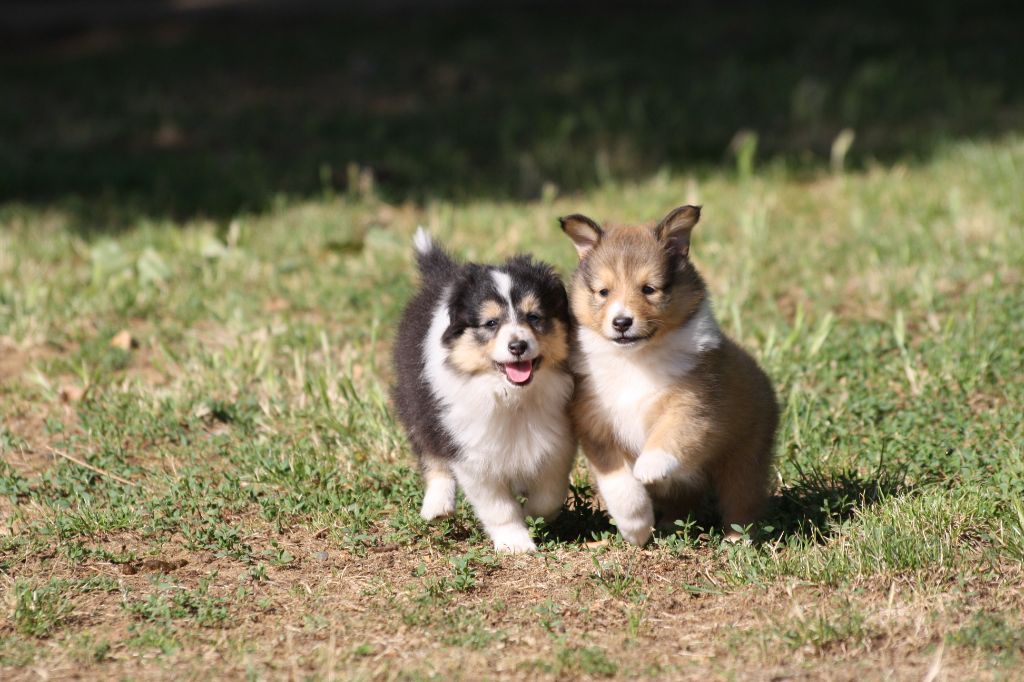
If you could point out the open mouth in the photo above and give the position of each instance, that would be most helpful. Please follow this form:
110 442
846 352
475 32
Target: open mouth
519 373
629 340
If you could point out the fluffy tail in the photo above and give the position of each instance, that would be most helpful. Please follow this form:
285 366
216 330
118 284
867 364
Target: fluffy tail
431 258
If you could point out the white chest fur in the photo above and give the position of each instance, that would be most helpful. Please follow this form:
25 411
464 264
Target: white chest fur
629 381
504 432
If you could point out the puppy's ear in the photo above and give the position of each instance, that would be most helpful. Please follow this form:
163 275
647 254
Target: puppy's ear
453 332
674 229
458 310
584 233
456 326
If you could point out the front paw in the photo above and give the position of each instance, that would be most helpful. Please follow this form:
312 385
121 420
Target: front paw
654 466
439 500
636 530
437 507
513 541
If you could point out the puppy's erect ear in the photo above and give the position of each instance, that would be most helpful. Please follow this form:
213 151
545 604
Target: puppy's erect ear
459 315
454 331
674 229
584 233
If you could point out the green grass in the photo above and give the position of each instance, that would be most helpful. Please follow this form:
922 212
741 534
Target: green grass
993 632
248 491
172 602
39 610
249 431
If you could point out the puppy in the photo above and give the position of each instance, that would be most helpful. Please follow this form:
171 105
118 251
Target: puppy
667 407
483 388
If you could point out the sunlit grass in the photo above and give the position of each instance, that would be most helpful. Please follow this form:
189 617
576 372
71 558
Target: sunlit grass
251 409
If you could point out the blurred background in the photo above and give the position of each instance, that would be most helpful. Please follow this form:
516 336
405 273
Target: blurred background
115 109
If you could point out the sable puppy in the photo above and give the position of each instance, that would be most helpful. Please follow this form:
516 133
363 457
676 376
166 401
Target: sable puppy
667 407
483 389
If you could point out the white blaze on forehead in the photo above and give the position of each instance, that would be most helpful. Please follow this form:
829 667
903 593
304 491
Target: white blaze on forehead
504 284
511 330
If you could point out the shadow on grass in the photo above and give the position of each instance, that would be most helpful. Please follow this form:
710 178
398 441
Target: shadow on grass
212 115
817 502
813 506
580 521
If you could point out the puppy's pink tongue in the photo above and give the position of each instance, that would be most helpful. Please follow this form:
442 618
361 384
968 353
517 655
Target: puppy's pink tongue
519 371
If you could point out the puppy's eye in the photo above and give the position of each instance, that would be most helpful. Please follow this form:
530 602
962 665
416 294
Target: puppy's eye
603 293
491 324
647 289
532 318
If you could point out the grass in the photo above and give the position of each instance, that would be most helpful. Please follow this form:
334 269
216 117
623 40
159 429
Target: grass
262 483
249 505
38 611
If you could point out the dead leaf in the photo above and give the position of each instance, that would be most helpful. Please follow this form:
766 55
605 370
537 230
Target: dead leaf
163 565
276 305
168 136
71 393
123 340
153 564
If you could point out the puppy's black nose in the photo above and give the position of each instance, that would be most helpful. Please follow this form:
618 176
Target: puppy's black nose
517 348
622 323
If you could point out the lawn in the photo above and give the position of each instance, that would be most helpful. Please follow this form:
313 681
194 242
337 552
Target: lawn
201 474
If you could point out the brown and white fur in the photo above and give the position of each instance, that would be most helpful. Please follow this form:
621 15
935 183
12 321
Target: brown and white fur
667 407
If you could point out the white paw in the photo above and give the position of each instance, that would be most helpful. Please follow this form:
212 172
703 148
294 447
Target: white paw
654 466
513 541
439 500
629 505
636 530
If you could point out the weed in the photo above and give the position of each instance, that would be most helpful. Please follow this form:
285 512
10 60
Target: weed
221 538
1010 538
577 660
152 637
258 573
278 555
39 610
172 602
16 652
463 576
994 632
468 628
838 626
550 616
618 579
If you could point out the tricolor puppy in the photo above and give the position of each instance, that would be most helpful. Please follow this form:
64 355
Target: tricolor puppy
483 389
667 408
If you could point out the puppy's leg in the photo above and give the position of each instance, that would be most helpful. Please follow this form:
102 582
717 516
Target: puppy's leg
546 495
655 465
625 497
439 498
741 482
675 447
499 512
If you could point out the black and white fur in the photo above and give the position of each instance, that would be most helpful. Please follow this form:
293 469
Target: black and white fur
471 423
